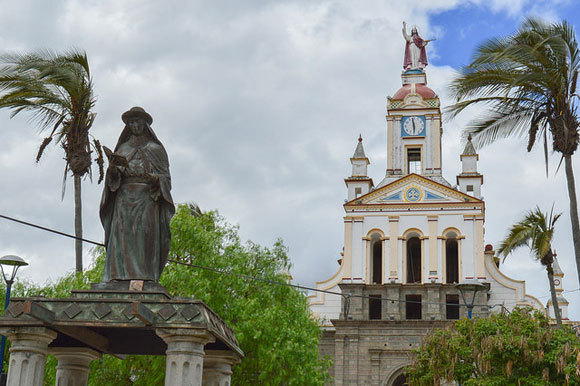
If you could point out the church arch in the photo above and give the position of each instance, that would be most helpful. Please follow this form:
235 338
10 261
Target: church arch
375 256
451 255
396 377
413 256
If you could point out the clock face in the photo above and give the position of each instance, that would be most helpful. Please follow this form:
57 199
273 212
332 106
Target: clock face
413 125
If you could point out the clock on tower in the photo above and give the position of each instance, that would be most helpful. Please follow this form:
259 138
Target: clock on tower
413 126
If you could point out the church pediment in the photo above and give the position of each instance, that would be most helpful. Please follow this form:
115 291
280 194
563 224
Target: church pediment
413 189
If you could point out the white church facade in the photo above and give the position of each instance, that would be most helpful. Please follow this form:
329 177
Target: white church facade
408 240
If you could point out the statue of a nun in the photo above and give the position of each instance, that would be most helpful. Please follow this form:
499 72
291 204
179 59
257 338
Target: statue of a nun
136 206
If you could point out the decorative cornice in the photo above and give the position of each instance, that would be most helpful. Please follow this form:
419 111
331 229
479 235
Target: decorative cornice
408 179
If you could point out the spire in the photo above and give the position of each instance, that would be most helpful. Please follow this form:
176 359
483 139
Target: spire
358 183
556 267
470 180
359 152
469 148
558 279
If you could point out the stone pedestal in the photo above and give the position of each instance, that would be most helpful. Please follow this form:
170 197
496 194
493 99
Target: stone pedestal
73 365
28 350
117 319
217 367
184 355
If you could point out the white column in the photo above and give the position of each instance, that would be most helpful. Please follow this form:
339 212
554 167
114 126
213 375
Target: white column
73 365
217 367
184 355
28 350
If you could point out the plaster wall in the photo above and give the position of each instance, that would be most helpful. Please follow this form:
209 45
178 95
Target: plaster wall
469 163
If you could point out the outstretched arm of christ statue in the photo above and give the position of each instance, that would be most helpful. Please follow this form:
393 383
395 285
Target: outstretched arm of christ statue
405 35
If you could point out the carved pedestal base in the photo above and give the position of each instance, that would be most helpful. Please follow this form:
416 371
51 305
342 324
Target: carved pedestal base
113 320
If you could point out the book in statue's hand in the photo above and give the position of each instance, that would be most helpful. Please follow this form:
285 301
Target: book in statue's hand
115 158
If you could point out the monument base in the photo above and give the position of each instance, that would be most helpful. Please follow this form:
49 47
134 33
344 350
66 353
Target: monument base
118 318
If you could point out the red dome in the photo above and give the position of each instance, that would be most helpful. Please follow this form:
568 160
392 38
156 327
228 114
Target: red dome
421 89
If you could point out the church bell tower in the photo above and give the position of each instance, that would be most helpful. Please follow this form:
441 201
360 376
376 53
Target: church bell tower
413 129
408 241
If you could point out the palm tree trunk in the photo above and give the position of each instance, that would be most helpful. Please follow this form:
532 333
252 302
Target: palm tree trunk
78 225
557 313
573 210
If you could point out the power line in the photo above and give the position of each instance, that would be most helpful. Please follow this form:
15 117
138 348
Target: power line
50 230
346 296
230 273
243 276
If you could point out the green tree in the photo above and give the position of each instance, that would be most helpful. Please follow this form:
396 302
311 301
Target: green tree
272 322
527 84
535 230
519 348
57 91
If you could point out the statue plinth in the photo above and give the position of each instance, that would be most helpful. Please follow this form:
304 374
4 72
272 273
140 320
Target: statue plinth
110 318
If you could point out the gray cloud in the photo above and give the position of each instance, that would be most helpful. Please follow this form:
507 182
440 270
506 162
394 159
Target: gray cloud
259 105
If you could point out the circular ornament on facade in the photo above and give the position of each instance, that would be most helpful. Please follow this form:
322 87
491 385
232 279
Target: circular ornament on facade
556 281
413 194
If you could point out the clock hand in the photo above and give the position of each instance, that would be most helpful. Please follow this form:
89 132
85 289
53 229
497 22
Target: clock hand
413 122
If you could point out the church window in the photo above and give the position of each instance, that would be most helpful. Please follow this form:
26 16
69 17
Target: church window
451 259
413 307
377 260
452 307
470 188
414 160
357 192
374 307
414 260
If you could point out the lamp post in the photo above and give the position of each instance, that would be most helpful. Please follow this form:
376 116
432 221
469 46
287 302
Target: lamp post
6 262
468 289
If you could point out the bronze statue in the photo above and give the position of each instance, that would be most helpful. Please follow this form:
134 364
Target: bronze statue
136 206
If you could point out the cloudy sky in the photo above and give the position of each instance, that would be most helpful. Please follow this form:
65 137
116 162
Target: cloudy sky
259 105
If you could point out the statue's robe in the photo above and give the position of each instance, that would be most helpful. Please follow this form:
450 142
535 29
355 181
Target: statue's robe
136 211
415 53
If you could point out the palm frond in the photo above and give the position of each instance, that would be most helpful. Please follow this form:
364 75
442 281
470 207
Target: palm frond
55 90
536 230
525 85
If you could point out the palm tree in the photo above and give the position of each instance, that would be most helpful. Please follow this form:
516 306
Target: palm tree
57 90
535 230
527 81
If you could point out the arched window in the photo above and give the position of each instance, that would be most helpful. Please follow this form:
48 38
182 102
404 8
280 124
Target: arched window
413 259
451 258
376 259
401 380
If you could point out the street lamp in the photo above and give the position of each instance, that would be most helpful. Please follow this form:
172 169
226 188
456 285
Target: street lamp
7 262
468 289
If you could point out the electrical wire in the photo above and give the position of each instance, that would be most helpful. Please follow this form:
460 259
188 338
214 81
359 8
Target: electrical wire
50 230
258 278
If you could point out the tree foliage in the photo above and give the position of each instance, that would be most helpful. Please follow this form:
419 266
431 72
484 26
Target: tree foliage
525 85
57 91
272 322
536 230
519 348
528 82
